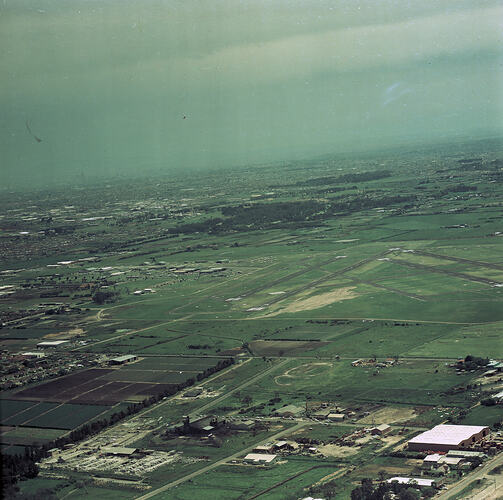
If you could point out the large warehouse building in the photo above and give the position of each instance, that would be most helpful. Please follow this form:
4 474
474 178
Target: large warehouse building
448 437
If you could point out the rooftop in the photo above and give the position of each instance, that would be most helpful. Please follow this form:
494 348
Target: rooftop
290 409
52 342
260 457
126 357
418 480
448 434
382 427
118 450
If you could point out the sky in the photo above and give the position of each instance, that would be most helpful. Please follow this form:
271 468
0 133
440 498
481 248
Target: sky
118 87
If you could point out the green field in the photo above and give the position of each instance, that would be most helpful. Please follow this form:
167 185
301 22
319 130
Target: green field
294 286
67 416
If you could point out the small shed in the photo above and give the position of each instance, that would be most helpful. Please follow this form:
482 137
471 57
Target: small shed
336 417
380 430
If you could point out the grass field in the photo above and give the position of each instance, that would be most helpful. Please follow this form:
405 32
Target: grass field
236 482
30 436
395 267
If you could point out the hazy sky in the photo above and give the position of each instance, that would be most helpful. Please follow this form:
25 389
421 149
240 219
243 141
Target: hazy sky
106 84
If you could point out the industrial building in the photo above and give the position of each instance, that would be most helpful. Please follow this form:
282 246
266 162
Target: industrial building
420 482
336 417
322 414
259 458
242 425
448 437
436 460
121 360
30 355
51 343
498 397
289 411
119 451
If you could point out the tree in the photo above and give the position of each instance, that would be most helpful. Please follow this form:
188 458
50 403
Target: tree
357 494
247 399
100 297
488 402
429 492
367 487
409 494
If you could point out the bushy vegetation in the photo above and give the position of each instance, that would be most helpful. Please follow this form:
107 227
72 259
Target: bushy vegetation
100 297
345 178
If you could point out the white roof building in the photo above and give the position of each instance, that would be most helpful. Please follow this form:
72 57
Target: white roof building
265 458
432 459
446 437
52 343
499 396
420 481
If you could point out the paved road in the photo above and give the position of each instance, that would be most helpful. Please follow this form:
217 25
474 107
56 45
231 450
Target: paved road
219 462
317 282
437 270
478 473
250 381
490 265
221 398
391 289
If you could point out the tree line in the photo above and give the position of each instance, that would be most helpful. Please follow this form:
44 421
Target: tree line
19 467
371 175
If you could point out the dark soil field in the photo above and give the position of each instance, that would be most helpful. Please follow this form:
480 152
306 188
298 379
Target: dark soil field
115 392
154 376
55 388
173 364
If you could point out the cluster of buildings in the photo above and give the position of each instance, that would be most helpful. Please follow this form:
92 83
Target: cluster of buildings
207 425
325 411
267 453
126 461
373 362
448 447
448 437
27 367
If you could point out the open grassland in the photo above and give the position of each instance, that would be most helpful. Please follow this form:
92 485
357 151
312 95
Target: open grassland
28 436
411 381
244 481
320 272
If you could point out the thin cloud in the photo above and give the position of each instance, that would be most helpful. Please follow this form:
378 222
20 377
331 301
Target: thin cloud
350 49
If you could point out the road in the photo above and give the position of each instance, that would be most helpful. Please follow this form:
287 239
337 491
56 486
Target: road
327 277
250 381
221 398
478 473
433 269
216 464
489 265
